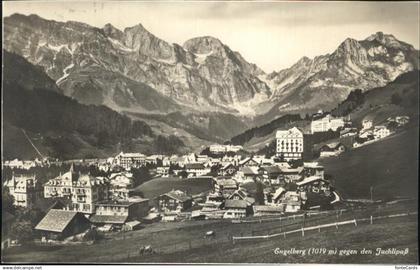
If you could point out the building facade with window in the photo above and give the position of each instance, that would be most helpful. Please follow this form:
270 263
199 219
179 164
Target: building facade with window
25 189
289 143
83 190
326 123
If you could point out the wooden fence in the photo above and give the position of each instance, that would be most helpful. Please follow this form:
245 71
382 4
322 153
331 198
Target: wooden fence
319 227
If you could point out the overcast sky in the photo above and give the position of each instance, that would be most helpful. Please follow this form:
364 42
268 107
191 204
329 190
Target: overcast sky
274 35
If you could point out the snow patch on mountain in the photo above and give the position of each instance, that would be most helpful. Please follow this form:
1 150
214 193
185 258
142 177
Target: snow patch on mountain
65 74
118 45
201 57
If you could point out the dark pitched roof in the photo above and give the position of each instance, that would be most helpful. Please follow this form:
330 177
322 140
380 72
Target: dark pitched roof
236 204
56 220
108 219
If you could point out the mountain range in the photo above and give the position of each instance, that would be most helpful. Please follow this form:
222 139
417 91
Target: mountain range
201 85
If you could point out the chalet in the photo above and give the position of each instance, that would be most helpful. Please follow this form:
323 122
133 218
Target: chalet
291 202
60 224
113 212
228 170
292 174
270 173
332 149
278 195
380 132
236 209
163 171
213 202
174 201
248 162
268 195
242 195
313 169
247 173
225 186
314 184
196 169
25 189
120 185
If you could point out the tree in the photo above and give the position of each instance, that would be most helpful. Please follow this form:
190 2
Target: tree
31 215
140 175
396 99
22 231
259 193
7 201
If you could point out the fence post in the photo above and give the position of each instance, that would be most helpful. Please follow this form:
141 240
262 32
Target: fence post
355 222
284 234
303 232
371 220
336 226
319 229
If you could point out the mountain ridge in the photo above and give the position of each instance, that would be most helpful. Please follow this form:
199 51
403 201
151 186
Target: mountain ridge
135 72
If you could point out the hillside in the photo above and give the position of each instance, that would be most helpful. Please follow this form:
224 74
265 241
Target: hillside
212 126
59 125
158 186
375 104
120 68
389 165
203 86
322 82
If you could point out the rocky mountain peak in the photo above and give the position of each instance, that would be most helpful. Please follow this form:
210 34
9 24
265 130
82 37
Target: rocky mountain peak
304 61
139 39
112 32
389 40
203 45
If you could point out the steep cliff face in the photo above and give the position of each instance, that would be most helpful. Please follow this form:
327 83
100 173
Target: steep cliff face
134 71
112 67
328 79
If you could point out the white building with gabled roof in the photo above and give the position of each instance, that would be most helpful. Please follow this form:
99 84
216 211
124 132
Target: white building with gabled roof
289 143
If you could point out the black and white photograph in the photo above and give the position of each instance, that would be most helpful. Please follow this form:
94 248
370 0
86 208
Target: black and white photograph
210 132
